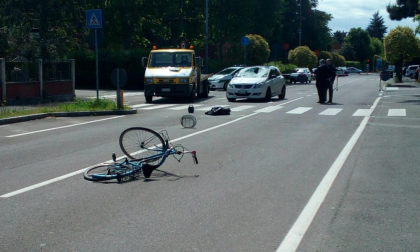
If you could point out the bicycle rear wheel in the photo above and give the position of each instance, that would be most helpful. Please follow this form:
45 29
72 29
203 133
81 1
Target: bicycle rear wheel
142 143
106 172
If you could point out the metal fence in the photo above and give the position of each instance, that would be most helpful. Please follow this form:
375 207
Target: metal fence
56 70
21 71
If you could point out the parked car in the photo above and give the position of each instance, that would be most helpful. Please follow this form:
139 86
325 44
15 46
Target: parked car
345 70
222 78
301 74
258 82
416 74
340 72
391 68
411 70
353 70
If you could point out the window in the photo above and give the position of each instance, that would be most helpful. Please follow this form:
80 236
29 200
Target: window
171 59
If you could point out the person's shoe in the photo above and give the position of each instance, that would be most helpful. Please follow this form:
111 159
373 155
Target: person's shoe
318 102
329 102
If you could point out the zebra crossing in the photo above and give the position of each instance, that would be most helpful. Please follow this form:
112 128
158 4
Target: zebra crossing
269 109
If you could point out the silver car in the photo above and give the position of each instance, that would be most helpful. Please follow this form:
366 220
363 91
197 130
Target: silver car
258 82
222 78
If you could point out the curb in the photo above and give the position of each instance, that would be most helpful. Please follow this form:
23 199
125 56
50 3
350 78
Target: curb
65 114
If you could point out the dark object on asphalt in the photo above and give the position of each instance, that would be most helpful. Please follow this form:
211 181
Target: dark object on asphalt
322 81
191 109
218 111
188 121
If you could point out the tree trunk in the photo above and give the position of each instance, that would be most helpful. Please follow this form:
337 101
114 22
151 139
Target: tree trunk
398 71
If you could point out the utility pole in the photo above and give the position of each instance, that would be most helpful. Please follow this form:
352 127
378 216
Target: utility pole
300 23
207 36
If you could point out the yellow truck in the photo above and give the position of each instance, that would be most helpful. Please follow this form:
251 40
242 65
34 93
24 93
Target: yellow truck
174 73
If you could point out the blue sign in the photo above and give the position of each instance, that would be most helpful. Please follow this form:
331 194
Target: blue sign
94 19
245 41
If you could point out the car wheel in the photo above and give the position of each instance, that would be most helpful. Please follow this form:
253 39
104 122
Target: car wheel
225 85
411 76
310 80
268 95
283 93
149 98
231 99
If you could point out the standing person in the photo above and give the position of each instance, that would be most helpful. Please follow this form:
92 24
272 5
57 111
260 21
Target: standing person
332 70
322 75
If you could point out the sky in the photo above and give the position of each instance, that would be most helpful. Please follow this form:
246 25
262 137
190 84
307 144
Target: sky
349 14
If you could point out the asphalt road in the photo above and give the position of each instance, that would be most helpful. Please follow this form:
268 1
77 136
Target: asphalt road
288 175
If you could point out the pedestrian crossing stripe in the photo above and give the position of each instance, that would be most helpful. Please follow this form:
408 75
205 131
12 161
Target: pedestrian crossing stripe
331 111
269 109
397 112
298 111
94 21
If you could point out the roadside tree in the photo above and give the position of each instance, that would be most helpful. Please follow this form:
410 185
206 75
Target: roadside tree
348 52
377 28
359 39
401 45
302 56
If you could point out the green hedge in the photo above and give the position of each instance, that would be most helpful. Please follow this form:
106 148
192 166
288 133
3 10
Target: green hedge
108 60
355 64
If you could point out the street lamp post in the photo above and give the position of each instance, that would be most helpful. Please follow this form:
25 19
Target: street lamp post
207 36
300 23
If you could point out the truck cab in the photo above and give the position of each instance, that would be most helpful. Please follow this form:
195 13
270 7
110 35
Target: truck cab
174 73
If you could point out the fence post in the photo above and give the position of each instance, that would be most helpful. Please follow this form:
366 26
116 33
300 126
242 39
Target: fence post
73 75
40 79
3 78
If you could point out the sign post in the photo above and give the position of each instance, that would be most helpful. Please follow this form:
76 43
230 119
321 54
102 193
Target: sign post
94 21
245 42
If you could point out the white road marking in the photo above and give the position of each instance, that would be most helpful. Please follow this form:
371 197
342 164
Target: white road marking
224 98
397 112
62 127
140 105
391 89
159 106
184 107
268 109
363 112
115 96
240 108
298 111
208 108
331 111
294 236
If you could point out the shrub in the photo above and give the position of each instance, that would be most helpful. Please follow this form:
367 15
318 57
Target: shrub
302 56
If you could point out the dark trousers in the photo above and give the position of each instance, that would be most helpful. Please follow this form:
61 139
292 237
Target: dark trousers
330 92
322 91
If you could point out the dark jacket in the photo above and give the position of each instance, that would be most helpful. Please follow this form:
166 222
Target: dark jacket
332 70
322 75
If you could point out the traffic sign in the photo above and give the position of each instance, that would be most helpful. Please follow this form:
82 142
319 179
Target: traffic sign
245 41
118 77
94 19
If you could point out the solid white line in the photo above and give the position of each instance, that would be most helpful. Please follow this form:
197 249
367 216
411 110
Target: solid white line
331 111
29 188
294 236
397 112
299 110
62 127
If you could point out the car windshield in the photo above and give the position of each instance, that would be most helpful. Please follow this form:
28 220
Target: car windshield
301 71
227 71
170 59
253 72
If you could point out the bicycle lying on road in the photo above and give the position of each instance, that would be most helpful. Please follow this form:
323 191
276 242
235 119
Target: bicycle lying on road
146 150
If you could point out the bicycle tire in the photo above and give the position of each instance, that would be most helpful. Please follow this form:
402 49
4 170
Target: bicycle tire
142 143
106 172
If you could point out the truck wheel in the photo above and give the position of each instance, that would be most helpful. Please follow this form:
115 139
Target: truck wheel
149 98
192 96
206 89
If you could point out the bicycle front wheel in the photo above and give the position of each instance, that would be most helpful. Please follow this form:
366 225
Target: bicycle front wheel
106 172
142 143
